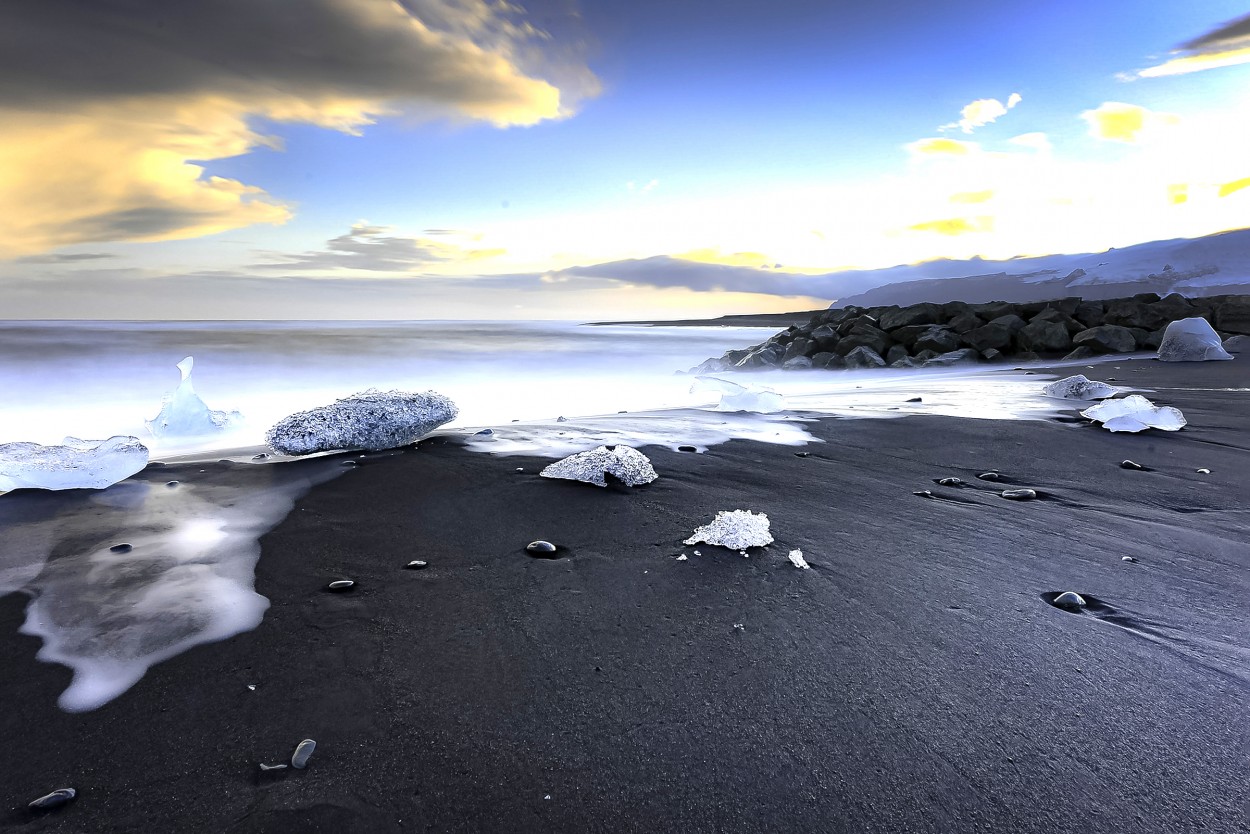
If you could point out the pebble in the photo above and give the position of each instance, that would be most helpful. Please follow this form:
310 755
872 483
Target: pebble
486 432
915 400
53 800
349 463
341 585
923 493
949 482
1203 471
697 553
171 483
261 456
303 752
252 687
520 469
121 548
416 564
1128 559
562 419
687 449
540 548
989 476
265 768
802 454
683 557
1128 464
1069 599
1019 494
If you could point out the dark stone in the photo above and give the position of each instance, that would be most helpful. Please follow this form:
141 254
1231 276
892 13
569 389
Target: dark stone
1237 344
797 349
1140 335
121 548
1174 306
796 363
965 321
821 360
964 356
1149 297
1030 309
851 323
1026 356
915 314
1011 321
995 335
864 357
1059 317
1133 313
925 355
1067 306
1233 315
864 335
955 308
1089 313
1106 338
1083 352
992 355
542 550
907 335
1154 339
1044 337
895 353
993 309
904 362
938 339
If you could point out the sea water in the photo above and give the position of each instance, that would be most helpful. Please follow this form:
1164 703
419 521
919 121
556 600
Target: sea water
550 389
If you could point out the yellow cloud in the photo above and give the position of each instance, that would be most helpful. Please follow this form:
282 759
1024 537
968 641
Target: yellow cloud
715 256
1198 63
1236 185
1178 193
967 197
956 226
941 146
1119 122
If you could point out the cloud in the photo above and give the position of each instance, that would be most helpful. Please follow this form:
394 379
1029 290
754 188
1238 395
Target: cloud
955 226
370 248
103 142
1225 46
1035 141
644 188
970 197
941 146
1119 122
1234 186
981 112
66 258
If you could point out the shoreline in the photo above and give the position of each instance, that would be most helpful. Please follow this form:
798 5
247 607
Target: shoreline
913 679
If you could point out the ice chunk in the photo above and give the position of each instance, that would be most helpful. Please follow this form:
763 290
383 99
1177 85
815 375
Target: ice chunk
736 529
1079 388
368 420
184 414
1191 340
78 464
627 464
796 559
1135 413
735 397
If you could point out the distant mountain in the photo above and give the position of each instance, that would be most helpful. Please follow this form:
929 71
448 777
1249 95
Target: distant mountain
1213 265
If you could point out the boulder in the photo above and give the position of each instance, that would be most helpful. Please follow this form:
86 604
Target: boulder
955 308
907 336
938 339
924 355
996 335
1233 315
1011 321
1106 338
1133 313
864 357
905 362
1059 317
1237 344
1089 313
993 355
796 363
864 335
1173 307
964 356
965 321
895 353
1083 352
914 314
798 348
993 309
1044 337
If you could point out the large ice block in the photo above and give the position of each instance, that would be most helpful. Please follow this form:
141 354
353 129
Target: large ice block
183 414
1191 340
78 464
735 397
627 465
1135 413
368 420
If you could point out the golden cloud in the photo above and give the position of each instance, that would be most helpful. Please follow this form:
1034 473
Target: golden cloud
1119 122
968 197
1234 186
941 146
955 226
1225 46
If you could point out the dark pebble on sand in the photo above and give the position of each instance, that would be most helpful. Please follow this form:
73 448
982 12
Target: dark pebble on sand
1128 558
340 585
923 493
915 400
989 476
802 454
121 548
53 800
1019 494
949 482
416 564
261 456
541 549
1128 464
687 449
303 752
486 432
171 483
1069 600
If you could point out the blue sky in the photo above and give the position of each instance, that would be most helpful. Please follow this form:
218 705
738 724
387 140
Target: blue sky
456 164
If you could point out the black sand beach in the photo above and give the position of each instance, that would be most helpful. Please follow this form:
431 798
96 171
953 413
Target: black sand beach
913 680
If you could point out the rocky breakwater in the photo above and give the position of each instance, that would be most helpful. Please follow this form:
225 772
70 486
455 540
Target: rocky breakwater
955 333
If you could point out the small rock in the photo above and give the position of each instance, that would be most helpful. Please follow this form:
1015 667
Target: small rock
1128 464
802 454
1070 600
121 548
915 400
1019 494
340 585
171 483
261 456
949 482
923 493
1203 471
484 433
687 449
1128 559
416 564
251 687
541 549
989 476
562 419
53 800
303 752
683 558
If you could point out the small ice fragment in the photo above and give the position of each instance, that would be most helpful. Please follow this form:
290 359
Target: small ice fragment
416 564
949 481
697 553
989 476
1069 599
1128 559
303 752
735 397
251 687
184 414
739 627
622 462
735 529
1203 471
1079 388
1133 414
1130 464
78 464
548 796
265 768
923 493
53 800
370 420
341 585
1191 340
1019 494
796 559
682 558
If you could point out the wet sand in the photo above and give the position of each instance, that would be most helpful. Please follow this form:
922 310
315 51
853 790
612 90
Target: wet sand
913 680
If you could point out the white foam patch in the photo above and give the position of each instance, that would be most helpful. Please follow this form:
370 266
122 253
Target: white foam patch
188 579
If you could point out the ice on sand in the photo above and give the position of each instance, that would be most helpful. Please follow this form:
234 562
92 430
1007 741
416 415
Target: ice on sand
796 559
1191 340
735 397
1134 414
369 420
1079 388
622 462
735 529
184 414
78 464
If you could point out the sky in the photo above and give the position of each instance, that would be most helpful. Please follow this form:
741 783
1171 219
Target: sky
591 159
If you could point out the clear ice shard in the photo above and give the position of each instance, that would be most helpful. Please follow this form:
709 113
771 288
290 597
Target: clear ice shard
1079 388
1191 340
369 420
1135 413
621 462
736 397
184 414
735 529
78 464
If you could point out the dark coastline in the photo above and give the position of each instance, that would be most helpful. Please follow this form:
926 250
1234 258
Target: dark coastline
913 680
